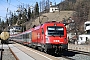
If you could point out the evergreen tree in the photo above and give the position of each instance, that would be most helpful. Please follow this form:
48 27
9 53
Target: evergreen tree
32 14
2 25
19 16
7 23
29 13
15 18
0 20
24 16
36 9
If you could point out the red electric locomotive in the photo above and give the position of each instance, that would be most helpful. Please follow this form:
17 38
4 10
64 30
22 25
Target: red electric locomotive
50 37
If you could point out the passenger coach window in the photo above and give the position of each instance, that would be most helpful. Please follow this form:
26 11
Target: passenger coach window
30 35
27 35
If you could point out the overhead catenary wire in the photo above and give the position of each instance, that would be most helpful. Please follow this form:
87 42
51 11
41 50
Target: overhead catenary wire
3 10
9 3
3 6
26 4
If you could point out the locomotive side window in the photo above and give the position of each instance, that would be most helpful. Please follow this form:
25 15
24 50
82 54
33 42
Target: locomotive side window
55 30
42 31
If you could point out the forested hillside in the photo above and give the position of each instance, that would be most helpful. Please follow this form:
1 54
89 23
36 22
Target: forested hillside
81 7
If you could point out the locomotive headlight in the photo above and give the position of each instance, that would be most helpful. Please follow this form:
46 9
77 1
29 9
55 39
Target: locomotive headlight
56 40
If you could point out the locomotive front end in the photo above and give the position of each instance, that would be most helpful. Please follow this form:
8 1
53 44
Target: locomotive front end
56 37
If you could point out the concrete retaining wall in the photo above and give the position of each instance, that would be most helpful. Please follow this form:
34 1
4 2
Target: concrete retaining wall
85 48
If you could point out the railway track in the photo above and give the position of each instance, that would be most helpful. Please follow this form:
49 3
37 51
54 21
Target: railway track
37 55
69 55
76 55
80 52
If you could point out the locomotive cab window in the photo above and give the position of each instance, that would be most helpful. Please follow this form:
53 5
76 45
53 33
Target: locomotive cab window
55 30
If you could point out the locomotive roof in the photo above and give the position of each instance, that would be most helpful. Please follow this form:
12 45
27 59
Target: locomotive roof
54 23
46 23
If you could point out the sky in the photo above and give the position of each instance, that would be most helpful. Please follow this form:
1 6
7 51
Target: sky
12 5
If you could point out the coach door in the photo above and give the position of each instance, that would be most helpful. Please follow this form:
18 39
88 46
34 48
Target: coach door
30 34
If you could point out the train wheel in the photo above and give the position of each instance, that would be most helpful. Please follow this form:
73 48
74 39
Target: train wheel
41 49
46 50
60 53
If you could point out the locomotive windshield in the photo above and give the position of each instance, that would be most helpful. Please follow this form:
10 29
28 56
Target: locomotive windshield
55 31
